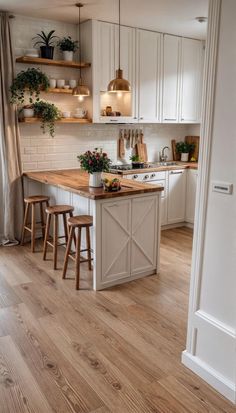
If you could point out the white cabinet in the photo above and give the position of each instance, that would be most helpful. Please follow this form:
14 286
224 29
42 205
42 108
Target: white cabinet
176 196
129 237
191 80
144 235
105 55
171 78
148 65
116 238
192 175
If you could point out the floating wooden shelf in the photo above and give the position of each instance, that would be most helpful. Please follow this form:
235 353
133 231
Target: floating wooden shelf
59 90
51 62
63 120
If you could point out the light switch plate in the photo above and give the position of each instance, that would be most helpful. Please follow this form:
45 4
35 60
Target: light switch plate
222 187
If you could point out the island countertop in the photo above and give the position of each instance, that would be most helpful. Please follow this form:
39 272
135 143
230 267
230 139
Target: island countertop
76 180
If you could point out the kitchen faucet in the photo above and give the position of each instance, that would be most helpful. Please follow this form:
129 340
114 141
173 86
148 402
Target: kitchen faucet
163 157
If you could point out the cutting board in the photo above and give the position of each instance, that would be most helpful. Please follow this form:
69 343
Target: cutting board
195 140
141 149
176 156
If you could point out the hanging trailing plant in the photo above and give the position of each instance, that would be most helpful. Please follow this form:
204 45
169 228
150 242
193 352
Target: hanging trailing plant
31 80
48 113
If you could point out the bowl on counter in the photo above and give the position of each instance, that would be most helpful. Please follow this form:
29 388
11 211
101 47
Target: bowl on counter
111 185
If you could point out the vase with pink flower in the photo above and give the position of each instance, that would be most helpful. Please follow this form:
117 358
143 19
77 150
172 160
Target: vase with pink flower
95 162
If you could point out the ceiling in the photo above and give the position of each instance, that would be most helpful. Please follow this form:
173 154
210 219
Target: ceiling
169 16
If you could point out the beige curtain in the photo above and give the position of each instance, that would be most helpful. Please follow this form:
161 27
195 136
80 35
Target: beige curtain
11 194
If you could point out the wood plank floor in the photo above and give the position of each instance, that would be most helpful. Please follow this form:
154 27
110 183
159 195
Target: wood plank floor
67 351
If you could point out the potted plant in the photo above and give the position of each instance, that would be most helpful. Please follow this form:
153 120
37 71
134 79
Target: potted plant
31 80
95 163
68 47
46 42
48 113
184 149
137 162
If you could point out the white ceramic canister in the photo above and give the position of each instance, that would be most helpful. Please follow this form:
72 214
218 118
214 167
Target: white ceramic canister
95 180
72 83
60 83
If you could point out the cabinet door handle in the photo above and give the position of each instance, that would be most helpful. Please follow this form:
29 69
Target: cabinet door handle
113 120
176 173
141 118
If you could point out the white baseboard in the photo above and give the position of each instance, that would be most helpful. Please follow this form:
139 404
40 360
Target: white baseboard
177 225
211 376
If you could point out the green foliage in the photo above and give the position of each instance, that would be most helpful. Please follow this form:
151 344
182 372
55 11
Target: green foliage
32 80
48 113
96 161
135 158
67 44
45 39
184 147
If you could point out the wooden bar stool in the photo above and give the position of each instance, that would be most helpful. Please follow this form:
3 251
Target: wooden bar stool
31 202
80 221
55 211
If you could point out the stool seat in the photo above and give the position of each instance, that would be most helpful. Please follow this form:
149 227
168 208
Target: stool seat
59 209
36 198
80 221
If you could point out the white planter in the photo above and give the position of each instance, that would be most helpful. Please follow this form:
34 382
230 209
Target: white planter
184 157
28 113
68 56
95 179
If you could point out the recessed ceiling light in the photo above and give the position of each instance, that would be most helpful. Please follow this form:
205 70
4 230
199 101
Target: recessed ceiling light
201 19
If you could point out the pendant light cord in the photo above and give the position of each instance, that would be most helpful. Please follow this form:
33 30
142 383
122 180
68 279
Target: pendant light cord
119 34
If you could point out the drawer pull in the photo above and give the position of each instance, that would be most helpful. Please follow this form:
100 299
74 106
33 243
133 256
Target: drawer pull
176 173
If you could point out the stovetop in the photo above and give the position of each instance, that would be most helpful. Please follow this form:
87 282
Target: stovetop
128 167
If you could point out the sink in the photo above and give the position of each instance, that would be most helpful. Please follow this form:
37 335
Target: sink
163 164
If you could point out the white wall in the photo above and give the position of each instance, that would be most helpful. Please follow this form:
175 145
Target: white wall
212 330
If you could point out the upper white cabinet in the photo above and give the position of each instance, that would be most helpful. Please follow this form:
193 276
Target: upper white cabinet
182 79
148 65
106 54
165 73
191 80
171 78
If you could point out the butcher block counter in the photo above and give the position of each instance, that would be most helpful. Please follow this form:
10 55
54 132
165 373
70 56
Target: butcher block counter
125 235
76 180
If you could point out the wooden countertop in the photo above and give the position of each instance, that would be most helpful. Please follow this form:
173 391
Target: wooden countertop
179 165
76 180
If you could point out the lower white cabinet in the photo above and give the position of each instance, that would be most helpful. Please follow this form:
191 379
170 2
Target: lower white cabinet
129 237
192 175
176 196
116 239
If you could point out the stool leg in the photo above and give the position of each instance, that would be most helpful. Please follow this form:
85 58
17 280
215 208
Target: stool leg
32 227
77 260
88 248
68 247
71 215
25 223
55 241
48 221
65 227
42 219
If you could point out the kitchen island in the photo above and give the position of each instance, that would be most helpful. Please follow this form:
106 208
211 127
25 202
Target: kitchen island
126 230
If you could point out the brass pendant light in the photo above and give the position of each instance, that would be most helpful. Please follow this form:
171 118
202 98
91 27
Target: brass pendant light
80 90
119 84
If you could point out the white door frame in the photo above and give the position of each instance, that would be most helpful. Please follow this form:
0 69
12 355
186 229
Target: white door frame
206 132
